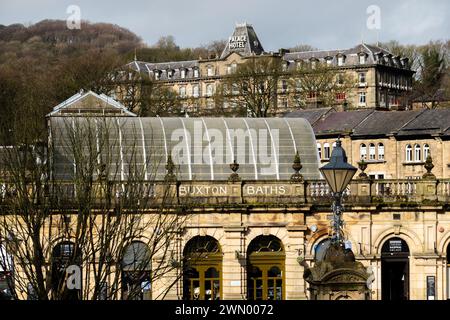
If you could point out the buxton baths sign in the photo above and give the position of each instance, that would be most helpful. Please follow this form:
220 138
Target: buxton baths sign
223 190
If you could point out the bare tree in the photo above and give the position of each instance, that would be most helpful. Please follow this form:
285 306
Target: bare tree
252 89
317 85
80 205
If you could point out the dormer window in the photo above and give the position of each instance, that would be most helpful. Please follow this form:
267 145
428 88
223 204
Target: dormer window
157 74
169 74
196 73
183 73
313 63
362 58
341 60
329 60
299 65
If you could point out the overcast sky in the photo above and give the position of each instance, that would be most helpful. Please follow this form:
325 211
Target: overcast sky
279 24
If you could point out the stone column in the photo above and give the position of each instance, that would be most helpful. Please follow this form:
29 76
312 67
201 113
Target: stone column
295 285
234 264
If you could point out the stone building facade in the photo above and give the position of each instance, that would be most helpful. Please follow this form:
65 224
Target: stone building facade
394 144
256 229
380 79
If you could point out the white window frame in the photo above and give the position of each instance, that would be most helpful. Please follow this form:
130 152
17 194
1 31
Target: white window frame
380 151
209 90
195 90
363 151
209 70
417 153
426 151
319 150
408 153
362 59
326 151
371 151
362 99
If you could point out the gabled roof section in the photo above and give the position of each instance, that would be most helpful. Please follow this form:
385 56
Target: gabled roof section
243 40
90 103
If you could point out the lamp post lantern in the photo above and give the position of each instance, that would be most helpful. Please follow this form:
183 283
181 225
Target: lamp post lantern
338 173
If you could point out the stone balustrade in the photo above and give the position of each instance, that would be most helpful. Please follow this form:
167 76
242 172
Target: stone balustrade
315 192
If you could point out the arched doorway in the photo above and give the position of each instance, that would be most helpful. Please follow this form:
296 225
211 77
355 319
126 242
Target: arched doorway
265 269
202 269
136 269
395 270
65 254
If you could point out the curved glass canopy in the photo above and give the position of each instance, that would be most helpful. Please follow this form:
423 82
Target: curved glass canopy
201 148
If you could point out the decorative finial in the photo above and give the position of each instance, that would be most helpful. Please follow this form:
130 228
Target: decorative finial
297 166
429 166
234 177
362 165
170 167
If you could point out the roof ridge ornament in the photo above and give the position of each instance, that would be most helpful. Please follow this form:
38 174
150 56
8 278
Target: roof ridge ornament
297 166
234 177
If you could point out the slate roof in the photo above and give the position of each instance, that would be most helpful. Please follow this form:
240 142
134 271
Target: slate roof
384 122
312 115
176 67
252 43
340 122
374 54
429 122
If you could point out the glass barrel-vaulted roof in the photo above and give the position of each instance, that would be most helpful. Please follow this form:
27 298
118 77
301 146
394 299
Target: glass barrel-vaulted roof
201 148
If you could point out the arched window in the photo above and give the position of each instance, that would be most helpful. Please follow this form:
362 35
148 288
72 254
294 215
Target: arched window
182 91
417 152
202 269
195 91
209 90
380 151
64 254
319 150
326 151
408 150
371 151
265 269
363 151
426 151
136 268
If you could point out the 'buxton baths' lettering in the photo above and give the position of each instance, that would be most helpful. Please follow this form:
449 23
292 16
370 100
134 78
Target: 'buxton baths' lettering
224 190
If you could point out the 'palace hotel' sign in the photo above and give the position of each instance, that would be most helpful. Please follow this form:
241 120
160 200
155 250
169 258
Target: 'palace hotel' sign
237 42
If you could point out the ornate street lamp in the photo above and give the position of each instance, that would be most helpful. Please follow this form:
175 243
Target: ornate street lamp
338 173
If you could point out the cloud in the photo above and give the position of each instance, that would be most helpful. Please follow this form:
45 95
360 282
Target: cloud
321 23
